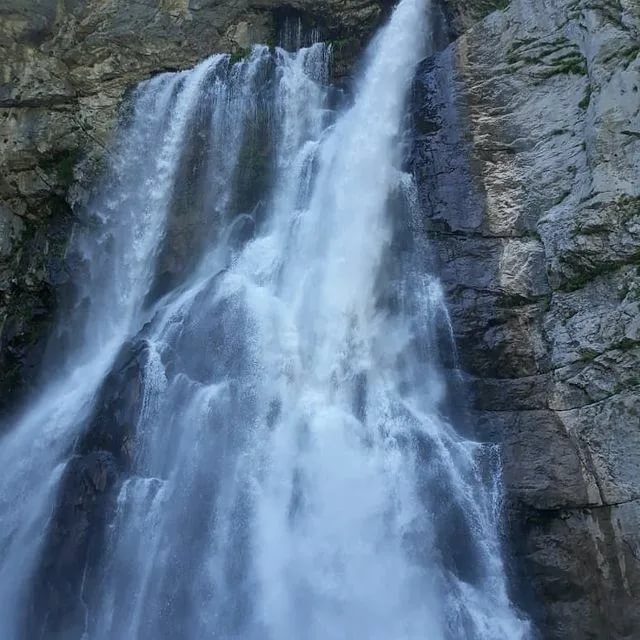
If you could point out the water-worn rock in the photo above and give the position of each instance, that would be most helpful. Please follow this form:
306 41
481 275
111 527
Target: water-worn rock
528 157
85 504
102 458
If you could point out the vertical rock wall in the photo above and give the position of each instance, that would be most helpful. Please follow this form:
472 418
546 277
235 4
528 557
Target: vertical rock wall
528 157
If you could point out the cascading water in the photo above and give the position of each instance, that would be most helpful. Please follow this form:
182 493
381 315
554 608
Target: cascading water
286 469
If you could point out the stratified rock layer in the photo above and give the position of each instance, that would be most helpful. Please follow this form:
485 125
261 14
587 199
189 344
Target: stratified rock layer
528 157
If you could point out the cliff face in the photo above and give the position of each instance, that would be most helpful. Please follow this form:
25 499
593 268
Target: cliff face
64 69
528 155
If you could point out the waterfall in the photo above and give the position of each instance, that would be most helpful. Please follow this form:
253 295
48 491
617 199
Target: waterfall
253 369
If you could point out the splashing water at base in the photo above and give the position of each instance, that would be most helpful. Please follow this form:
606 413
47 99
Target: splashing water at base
291 473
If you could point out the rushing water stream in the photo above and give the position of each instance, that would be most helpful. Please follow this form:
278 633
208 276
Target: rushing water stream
256 260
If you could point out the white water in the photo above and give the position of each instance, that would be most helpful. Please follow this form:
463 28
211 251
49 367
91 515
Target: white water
294 474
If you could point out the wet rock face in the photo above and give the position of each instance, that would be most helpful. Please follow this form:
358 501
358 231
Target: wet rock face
86 503
528 156
64 70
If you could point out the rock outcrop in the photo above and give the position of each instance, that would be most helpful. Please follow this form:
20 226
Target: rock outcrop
86 504
528 158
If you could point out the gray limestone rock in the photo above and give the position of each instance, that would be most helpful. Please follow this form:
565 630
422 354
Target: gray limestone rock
527 155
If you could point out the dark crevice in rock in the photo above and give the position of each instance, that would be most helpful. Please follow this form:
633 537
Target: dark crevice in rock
48 102
586 507
595 403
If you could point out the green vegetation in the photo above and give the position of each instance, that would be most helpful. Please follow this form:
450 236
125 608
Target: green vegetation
61 166
628 208
482 8
239 55
518 44
570 63
559 56
586 100
342 45
64 169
